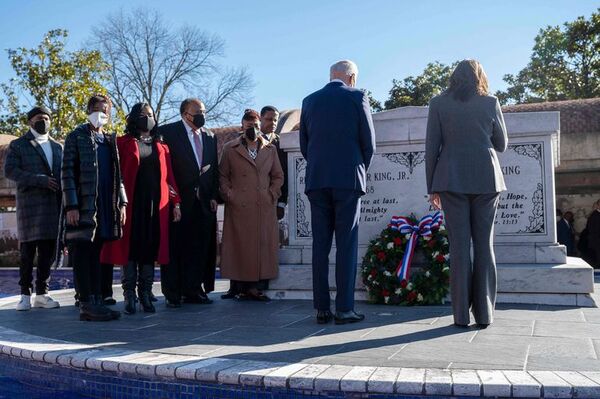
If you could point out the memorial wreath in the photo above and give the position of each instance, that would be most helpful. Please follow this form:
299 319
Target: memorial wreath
386 265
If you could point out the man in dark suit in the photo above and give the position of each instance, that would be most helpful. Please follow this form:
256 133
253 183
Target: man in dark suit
564 233
190 274
269 116
33 162
593 235
337 140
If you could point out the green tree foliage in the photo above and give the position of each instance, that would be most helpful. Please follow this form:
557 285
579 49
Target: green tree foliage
50 75
375 104
418 90
565 64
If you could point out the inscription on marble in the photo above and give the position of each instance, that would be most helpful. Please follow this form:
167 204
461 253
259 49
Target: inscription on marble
396 185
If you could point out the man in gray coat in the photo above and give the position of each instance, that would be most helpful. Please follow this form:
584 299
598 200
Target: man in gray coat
33 162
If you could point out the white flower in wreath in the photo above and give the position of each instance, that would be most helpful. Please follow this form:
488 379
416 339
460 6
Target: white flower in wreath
386 299
409 286
427 274
370 277
444 241
445 269
407 236
419 298
426 238
390 245
387 274
435 254
398 291
442 228
375 282
447 256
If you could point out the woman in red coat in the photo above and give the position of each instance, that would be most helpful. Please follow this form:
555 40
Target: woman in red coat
151 190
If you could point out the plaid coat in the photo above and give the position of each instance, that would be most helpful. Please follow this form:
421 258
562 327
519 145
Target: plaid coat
38 207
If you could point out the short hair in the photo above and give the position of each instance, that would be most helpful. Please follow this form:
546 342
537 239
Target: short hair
188 101
250 115
346 67
99 98
268 108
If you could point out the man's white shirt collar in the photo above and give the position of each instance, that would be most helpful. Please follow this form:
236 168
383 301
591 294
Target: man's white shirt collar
338 80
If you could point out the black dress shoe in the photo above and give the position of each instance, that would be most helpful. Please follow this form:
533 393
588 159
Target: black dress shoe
348 317
482 326
229 295
173 304
461 325
204 299
324 316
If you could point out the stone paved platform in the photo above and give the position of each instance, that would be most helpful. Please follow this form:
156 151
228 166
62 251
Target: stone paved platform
530 351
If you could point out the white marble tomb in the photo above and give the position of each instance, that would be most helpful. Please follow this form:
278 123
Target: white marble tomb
532 267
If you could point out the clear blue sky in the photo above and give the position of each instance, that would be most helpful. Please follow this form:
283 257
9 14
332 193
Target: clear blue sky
289 46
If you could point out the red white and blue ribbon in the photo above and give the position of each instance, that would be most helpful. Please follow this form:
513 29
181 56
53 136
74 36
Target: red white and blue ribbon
423 228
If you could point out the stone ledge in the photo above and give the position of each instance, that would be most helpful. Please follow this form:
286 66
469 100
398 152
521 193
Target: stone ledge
306 377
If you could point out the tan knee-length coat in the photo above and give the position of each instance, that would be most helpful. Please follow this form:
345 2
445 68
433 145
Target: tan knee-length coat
250 189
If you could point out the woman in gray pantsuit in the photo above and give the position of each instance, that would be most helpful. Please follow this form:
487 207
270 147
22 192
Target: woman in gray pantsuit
465 129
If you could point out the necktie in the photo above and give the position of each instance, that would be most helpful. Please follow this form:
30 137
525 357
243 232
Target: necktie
198 145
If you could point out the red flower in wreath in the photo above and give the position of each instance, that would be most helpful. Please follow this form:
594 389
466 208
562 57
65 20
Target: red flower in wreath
397 241
431 243
385 293
403 283
411 296
381 255
373 273
440 258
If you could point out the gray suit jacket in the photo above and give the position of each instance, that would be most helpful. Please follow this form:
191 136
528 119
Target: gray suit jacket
462 140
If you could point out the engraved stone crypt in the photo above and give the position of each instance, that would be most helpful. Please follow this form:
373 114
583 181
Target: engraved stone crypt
532 267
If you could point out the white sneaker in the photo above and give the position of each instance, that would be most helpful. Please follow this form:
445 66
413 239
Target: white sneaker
44 301
24 303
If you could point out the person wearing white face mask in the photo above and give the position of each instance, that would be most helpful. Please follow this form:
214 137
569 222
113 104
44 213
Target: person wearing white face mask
33 162
94 201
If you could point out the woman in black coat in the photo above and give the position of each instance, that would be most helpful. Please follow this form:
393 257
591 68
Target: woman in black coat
94 201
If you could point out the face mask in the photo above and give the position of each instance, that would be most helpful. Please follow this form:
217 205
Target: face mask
199 120
145 123
98 119
251 133
41 126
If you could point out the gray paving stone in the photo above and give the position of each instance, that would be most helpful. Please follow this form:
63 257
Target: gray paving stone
383 380
494 383
465 383
305 378
411 381
356 379
330 379
566 329
438 382
583 387
552 385
523 384
278 378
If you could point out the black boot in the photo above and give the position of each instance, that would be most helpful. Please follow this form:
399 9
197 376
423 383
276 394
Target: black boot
99 302
89 311
145 291
130 302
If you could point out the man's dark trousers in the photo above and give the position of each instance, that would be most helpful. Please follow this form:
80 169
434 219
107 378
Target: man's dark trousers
334 211
45 257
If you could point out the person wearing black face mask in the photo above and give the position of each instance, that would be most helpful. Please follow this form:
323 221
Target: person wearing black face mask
190 275
250 184
150 185
33 162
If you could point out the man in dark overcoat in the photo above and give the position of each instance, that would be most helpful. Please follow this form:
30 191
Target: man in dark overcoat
33 162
